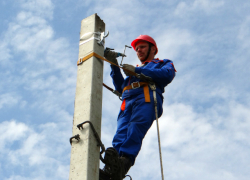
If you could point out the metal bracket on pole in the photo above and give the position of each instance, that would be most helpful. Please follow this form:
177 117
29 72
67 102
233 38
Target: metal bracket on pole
100 38
77 137
80 127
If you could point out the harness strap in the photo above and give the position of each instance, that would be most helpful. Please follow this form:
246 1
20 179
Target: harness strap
136 85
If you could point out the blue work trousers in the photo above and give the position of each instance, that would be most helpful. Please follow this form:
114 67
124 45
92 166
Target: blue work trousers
133 123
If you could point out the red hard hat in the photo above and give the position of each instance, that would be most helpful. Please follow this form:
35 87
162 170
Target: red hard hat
144 38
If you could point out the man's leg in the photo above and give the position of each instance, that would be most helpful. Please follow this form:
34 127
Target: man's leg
122 125
112 169
142 117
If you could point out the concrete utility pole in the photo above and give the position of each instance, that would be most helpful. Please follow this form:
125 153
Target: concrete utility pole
84 162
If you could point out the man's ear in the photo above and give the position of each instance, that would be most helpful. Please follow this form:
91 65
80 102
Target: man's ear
153 49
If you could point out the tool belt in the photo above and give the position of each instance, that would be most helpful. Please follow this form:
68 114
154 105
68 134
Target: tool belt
136 85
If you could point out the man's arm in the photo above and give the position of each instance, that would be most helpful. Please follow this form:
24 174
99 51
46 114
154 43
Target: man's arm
117 78
115 71
163 75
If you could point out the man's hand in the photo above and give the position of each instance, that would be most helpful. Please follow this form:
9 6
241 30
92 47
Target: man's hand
111 56
130 69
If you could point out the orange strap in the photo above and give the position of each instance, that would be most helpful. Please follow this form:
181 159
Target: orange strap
146 93
81 60
137 85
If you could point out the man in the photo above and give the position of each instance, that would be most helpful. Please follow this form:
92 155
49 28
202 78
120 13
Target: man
137 111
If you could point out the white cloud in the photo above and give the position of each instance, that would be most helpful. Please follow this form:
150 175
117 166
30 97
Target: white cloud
9 100
42 80
29 34
173 41
42 62
11 131
5 53
17 178
22 147
196 144
244 34
184 9
40 8
207 5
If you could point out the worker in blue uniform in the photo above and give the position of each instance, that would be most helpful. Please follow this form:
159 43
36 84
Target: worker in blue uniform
137 111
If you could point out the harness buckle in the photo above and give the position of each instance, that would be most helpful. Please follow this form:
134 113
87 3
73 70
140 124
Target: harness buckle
135 83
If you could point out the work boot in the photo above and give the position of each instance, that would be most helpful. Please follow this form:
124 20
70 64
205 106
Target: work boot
112 166
125 165
103 175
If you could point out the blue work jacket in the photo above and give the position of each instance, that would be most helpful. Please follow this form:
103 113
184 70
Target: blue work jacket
161 71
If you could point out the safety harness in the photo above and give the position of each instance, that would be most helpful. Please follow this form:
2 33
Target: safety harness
136 85
148 82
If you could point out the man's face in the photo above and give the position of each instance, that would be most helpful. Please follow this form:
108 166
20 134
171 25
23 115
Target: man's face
142 50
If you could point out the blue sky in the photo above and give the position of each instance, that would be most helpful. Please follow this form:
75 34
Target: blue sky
205 127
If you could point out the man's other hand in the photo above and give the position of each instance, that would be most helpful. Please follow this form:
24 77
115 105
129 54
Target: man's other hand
130 68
